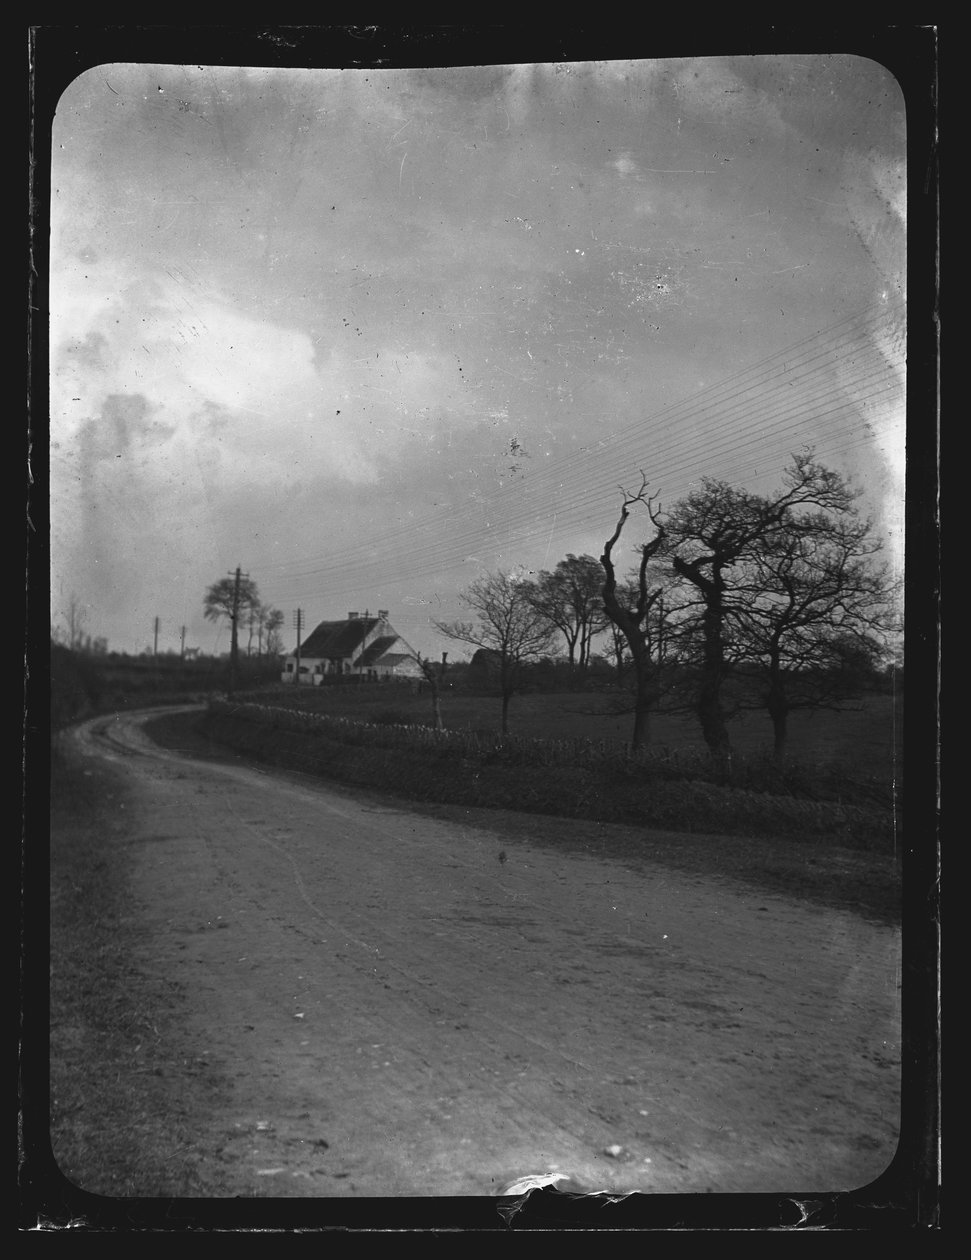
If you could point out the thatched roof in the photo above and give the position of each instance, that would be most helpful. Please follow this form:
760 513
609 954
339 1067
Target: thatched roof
338 640
374 651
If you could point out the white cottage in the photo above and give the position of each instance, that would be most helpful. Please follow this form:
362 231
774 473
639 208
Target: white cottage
362 646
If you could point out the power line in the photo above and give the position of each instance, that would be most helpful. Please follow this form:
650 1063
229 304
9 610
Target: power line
561 468
828 369
413 558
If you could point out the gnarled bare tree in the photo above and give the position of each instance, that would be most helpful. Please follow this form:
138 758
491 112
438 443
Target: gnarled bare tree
631 608
817 616
716 533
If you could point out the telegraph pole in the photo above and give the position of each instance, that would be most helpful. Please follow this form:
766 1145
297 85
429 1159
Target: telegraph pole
298 623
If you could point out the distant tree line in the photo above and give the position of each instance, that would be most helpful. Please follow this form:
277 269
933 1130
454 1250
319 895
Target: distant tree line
776 602
737 601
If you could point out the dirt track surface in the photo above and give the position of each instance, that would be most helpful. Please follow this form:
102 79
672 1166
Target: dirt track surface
402 1006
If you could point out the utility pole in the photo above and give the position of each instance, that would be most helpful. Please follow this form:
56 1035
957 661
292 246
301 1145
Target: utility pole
234 642
182 643
155 649
298 622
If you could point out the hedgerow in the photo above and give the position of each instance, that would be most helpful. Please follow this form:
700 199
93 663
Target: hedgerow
592 779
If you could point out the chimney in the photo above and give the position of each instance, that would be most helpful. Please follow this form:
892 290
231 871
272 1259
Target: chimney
382 614
353 616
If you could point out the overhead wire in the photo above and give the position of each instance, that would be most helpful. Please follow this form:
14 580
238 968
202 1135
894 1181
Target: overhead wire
561 467
450 554
729 400
419 559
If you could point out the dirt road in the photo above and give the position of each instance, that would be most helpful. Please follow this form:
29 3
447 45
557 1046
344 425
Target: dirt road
402 1006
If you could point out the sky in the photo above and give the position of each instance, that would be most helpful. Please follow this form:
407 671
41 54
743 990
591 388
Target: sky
370 333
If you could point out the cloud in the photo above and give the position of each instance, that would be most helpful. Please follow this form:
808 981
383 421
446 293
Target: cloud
182 348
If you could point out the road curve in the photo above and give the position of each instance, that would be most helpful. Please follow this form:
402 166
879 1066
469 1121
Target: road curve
403 1006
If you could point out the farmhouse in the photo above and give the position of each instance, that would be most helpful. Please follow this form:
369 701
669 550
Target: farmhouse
362 646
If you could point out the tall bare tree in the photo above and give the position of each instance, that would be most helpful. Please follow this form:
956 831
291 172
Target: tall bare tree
506 624
75 619
273 627
712 538
632 608
233 598
222 599
261 620
571 599
817 617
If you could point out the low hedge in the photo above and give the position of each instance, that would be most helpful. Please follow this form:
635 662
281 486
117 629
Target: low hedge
613 791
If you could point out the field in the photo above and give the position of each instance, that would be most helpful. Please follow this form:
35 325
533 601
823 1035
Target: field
863 740
568 758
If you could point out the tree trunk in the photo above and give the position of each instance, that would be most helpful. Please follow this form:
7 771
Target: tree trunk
711 715
780 726
778 708
642 727
645 697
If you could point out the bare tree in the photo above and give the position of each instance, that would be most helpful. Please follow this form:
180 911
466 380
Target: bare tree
261 620
223 600
75 619
233 598
715 533
254 626
571 599
273 625
632 607
817 617
507 624
433 672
